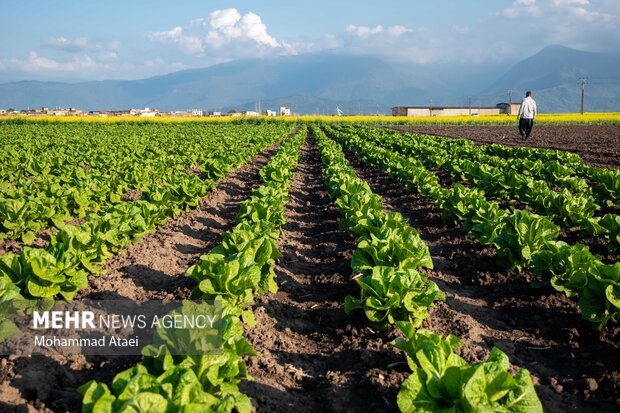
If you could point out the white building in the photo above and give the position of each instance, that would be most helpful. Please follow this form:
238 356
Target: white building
251 113
145 113
212 113
270 112
197 112
285 111
500 108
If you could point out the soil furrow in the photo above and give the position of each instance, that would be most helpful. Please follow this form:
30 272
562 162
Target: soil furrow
575 367
314 356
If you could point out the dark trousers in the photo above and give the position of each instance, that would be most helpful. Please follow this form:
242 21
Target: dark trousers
525 127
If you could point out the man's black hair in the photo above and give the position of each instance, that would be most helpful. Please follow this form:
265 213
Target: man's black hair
528 93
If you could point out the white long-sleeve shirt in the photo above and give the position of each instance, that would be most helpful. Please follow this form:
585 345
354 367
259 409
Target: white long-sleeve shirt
527 109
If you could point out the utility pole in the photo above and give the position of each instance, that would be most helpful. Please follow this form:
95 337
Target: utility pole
510 96
469 100
583 91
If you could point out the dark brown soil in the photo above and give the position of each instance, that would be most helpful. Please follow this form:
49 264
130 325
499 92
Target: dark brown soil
597 144
10 245
314 356
132 195
152 269
575 368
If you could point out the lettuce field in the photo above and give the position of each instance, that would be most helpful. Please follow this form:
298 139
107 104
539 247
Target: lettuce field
358 268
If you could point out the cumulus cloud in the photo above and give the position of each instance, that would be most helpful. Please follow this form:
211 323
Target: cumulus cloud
227 25
222 30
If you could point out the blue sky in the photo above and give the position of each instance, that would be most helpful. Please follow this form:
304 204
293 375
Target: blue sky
82 40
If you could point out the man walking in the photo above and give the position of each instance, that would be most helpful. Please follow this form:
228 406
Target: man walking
527 113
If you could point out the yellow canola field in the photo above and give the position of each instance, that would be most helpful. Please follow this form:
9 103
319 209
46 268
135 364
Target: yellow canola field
567 118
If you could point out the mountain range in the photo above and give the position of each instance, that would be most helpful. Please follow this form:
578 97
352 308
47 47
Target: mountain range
318 83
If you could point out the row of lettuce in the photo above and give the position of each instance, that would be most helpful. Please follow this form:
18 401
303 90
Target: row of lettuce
522 239
56 173
528 180
232 273
394 294
77 251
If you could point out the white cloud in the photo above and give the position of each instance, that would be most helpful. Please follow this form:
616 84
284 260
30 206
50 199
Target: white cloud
562 3
189 43
364 31
227 25
398 30
83 67
226 30
521 8
109 56
367 31
549 9
579 9
35 63
80 45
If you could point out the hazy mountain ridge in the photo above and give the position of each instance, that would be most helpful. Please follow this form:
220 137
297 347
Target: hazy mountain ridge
317 83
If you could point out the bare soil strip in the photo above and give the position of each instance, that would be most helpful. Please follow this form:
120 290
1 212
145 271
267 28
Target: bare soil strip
597 144
575 368
152 269
315 357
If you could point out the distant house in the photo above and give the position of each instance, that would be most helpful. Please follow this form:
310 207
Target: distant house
500 108
215 113
270 113
2 112
251 113
285 111
197 112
